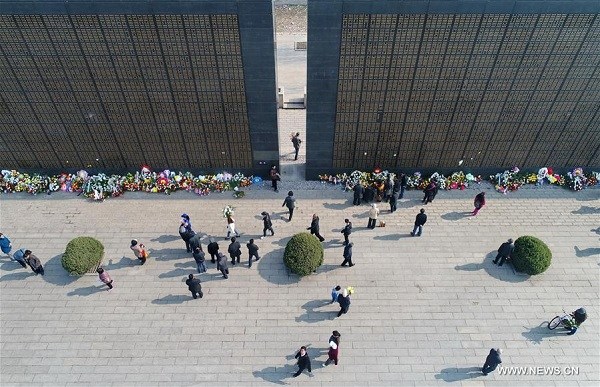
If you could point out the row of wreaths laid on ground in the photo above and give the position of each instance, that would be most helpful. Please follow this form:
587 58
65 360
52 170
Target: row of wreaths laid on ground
102 186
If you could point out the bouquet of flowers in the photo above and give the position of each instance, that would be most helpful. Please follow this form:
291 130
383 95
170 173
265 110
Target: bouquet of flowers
576 179
228 211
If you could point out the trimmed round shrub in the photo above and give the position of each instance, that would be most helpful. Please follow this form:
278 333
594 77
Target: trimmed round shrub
82 254
303 254
531 255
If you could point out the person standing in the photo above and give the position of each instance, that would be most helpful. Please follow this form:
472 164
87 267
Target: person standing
344 301
222 265
194 286
296 141
303 361
335 292
359 190
19 256
252 252
231 227
334 347
235 251
275 177
348 255
347 230
5 244
492 361
314 227
429 192
403 183
185 232
394 202
373 214
420 220
479 202
199 257
195 242
267 224
139 250
213 249
504 252
105 278
388 188
33 262
290 203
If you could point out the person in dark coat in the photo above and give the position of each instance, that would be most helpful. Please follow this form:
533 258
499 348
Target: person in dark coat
267 224
504 252
430 192
275 177
369 194
186 232
358 193
222 265
194 286
344 301
394 202
334 348
419 223
296 141
33 262
199 257
348 255
492 361
303 361
252 252
290 203
403 183
347 230
195 242
388 188
235 251
213 249
479 202
314 227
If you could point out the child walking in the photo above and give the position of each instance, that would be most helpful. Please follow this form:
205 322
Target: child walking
105 277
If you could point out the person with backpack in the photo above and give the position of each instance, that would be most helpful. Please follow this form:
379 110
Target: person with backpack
235 251
267 224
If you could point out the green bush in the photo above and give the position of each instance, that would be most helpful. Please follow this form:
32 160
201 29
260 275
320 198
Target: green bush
303 254
531 255
82 254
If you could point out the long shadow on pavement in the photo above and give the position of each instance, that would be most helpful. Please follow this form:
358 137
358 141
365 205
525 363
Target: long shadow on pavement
272 269
587 210
537 334
122 263
56 274
505 273
312 315
166 238
87 291
276 375
587 252
11 265
391 237
17 276
454 216
338 206
454 374
169 254
172 299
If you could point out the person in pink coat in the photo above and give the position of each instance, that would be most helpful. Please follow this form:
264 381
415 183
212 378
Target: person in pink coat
105 277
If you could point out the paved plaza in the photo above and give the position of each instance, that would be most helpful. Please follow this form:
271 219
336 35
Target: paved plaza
426 310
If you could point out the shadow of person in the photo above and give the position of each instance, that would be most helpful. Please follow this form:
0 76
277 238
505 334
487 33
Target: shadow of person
587 252
87 291
276 375
596 230
166 238
172 299
338 206
175 273
17 276
333 243
391 237
272 268
505 273
122 263
454 374
168 254
11 265
327 267
587 210
312 315
537 334
454 216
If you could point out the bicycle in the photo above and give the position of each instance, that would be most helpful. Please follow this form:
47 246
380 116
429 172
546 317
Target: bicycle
566 320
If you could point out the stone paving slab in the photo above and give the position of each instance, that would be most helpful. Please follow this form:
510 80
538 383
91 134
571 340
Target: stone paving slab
426 310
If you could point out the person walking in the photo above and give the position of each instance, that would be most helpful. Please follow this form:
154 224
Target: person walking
314 227
5 244
334 347
222 265
235 251
335 292
420 220
303 361
344 301
296 141
373 215
194 286
479 202
403 183
185 232
139 250
33 262
492 361
429 192
347 230
504 252
359 190
105 278
200 257
231 227
275 177
267 224
290 203
252 252
19 256
348 255
213 249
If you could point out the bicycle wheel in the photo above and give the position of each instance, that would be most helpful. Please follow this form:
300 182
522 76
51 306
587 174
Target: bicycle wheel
555 322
